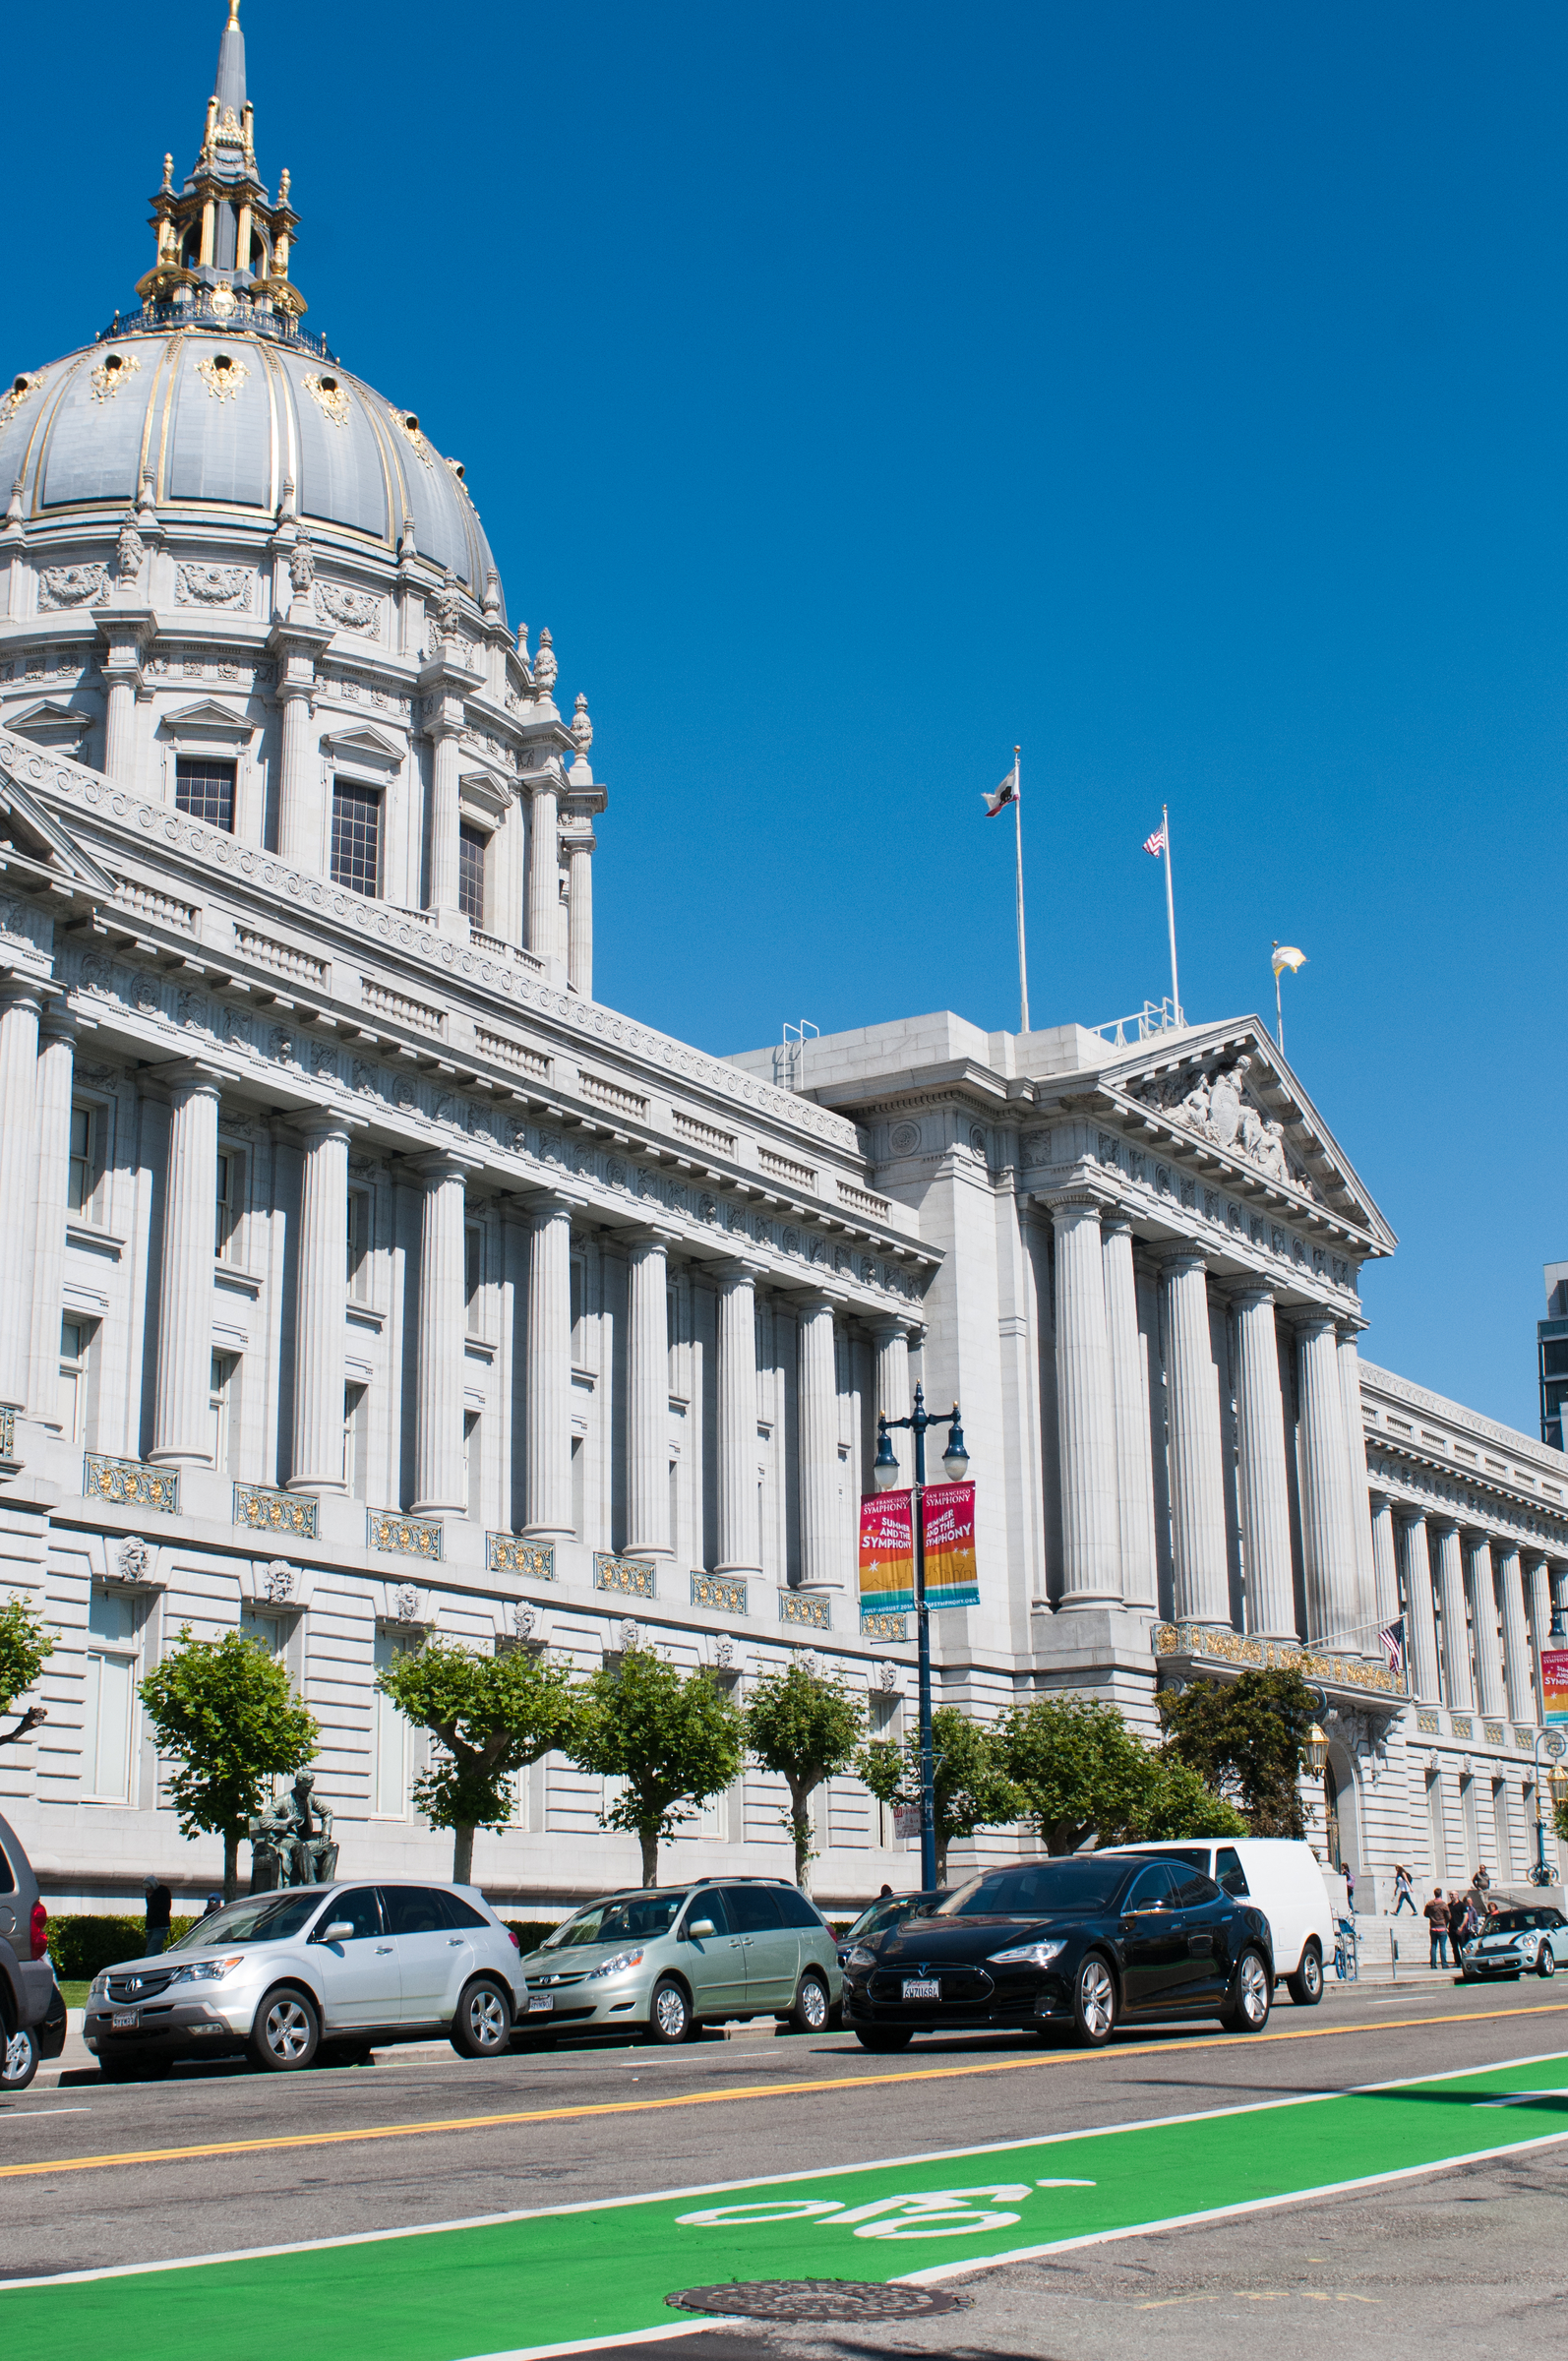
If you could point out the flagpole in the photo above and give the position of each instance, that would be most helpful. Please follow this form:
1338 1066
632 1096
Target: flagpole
1170 910
1279 1013
1018 837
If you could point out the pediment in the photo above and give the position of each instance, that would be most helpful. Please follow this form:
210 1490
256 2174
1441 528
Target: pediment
206 718
37 841
364 744
51 722
1227 1089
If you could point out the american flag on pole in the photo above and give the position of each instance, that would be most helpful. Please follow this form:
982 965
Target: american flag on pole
1156 843
1392 1636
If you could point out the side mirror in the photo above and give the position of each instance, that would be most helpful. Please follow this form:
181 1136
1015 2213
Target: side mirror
342 1930
700 1927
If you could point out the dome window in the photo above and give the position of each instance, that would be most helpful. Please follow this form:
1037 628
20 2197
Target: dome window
328 385
411 422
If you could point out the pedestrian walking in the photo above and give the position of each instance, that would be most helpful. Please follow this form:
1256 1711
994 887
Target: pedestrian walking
1350 1889
160 1904
1482 1883
1435 1914
1404 1894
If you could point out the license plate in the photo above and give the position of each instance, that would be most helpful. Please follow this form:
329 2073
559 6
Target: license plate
922 1988
540 2003
126 2020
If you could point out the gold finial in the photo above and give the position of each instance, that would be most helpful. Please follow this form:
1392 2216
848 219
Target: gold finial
168 171
233 11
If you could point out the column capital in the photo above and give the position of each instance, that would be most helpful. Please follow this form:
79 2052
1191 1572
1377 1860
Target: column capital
19 992
59 1022
815 1298
446 1164
642 1234
1250 1292
192 1076
328 1123
1182 1255
731 1269
1314 1320
1075 1206
888 1324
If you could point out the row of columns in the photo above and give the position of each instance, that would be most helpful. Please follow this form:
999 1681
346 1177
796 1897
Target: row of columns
1106 1451
1458 1586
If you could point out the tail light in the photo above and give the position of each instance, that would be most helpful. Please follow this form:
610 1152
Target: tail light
515 1944
40 1930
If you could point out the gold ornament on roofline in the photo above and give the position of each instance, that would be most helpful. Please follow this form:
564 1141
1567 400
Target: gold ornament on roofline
111 373
221 375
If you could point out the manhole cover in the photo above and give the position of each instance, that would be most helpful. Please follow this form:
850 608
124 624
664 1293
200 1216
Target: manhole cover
820 2299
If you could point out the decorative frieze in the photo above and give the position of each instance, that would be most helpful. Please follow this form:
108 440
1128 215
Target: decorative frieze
402 1536
882 1627
1429 1724
799 1608
214 587
630 1577
8 1431
721 1593
1461 1725
506 1553
1236 1648
262 1510
1523 1738
1494 1733
131 1483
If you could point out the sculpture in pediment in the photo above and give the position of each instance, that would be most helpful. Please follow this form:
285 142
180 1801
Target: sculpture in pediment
1221 1106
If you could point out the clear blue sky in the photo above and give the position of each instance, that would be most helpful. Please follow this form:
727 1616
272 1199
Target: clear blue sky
855 389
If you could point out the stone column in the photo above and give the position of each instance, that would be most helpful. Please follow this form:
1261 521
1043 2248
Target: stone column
55 1074
821 1528
1490 1696
739 1536
1333 1602
1385 1566
892 1370
1539 1578
19 1007
1086 1419
580 915
548 1384
182 1418
320 1298
1265 1481
1366 1614
544 873
119 733
1459 1693
445 821
1135 1460
1516 1638
1197 1474
301 832
1423 1634
442 1323
647 1443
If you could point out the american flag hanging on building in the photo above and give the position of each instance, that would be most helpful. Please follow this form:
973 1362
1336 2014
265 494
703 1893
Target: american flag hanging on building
1156 843
1392 1636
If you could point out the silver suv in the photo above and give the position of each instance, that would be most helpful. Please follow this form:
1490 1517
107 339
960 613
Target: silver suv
667 1959
313 1971
32 2012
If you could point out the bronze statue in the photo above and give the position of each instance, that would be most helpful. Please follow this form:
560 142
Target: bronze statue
291 1842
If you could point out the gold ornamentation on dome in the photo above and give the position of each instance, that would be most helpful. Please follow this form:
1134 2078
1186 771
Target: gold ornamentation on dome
111 374
410 426
222 300
22 390
328 398
221 375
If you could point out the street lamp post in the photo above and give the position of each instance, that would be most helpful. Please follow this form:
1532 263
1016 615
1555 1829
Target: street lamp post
1556 1786
955 1461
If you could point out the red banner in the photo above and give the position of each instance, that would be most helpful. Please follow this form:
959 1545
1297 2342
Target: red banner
887 1554
1554 1685
951 1577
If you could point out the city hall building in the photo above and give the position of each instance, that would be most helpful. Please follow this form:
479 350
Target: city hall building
363 1277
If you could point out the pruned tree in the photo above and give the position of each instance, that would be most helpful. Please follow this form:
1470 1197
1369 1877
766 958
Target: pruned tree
805 1728
673 1739
970 1788
491 1715
225 1712
25 1645
1083 1774
1246 1738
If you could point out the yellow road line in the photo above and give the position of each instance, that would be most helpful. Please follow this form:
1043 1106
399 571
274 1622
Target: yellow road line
720 2099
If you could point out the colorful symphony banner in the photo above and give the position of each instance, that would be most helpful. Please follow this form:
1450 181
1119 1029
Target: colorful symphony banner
887 1550
1555 1683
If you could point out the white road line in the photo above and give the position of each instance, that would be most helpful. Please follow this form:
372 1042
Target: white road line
818 2172
16 2114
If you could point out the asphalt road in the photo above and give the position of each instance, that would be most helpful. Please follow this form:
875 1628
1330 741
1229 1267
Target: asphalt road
427 2137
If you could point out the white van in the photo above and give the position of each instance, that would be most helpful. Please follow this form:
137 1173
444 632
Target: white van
1282 1877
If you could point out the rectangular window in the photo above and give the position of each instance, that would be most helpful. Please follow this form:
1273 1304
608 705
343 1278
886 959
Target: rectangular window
79 1181
76 1339
473 1275
108 1720
392 1769
1505 1849
356 1440
1436 1827
269 1632
220 1406
359 1231
471 874
230 1202
473 1466
579 1338
579 1470
205 790
356 836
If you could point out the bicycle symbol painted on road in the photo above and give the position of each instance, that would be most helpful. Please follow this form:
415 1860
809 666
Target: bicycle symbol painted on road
924 2213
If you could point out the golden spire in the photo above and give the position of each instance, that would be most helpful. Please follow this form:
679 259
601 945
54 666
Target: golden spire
233 11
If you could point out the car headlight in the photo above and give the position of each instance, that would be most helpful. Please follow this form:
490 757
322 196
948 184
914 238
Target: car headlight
860 1957
207 1972
617 1966
1029 1955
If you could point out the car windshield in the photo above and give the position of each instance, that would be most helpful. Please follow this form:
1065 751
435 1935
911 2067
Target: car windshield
1039 1890
1514 1922
619 1919
259 1918
881 1914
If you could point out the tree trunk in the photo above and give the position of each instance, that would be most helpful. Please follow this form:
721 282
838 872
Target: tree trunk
648 1838
463 1853
232 1862
942 1858
800 1831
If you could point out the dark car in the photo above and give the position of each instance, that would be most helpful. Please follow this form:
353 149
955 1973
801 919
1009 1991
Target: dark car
887 1910
32 2017
1082 1943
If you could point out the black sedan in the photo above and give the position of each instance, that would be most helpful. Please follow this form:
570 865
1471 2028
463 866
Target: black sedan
887 1910
1083 1943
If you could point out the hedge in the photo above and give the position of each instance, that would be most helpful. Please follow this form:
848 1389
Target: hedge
81 1944
530 1932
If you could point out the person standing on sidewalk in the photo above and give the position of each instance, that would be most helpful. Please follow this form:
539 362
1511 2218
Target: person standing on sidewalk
1350 1889
1461 1924
1404 1897
1435 1914
159 1903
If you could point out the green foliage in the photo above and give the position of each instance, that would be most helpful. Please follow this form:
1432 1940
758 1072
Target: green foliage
223 1711
82 1943
1559 1821
530 1932
674 1741
492 1714
1082 1774
1246 1737
971 1788
805 1729
24 1645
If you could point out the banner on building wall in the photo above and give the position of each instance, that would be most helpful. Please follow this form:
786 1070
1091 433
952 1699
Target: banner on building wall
950 1525
887 1554
1555 1683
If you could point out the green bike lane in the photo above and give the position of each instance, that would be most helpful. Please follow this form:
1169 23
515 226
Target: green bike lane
521 2283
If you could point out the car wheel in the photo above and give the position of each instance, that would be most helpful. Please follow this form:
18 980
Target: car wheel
1094 2003
1305 1986
482 2026
811 2010
1246 2006
1545 1961
287 2031
669 2013
20 2061
885 2036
